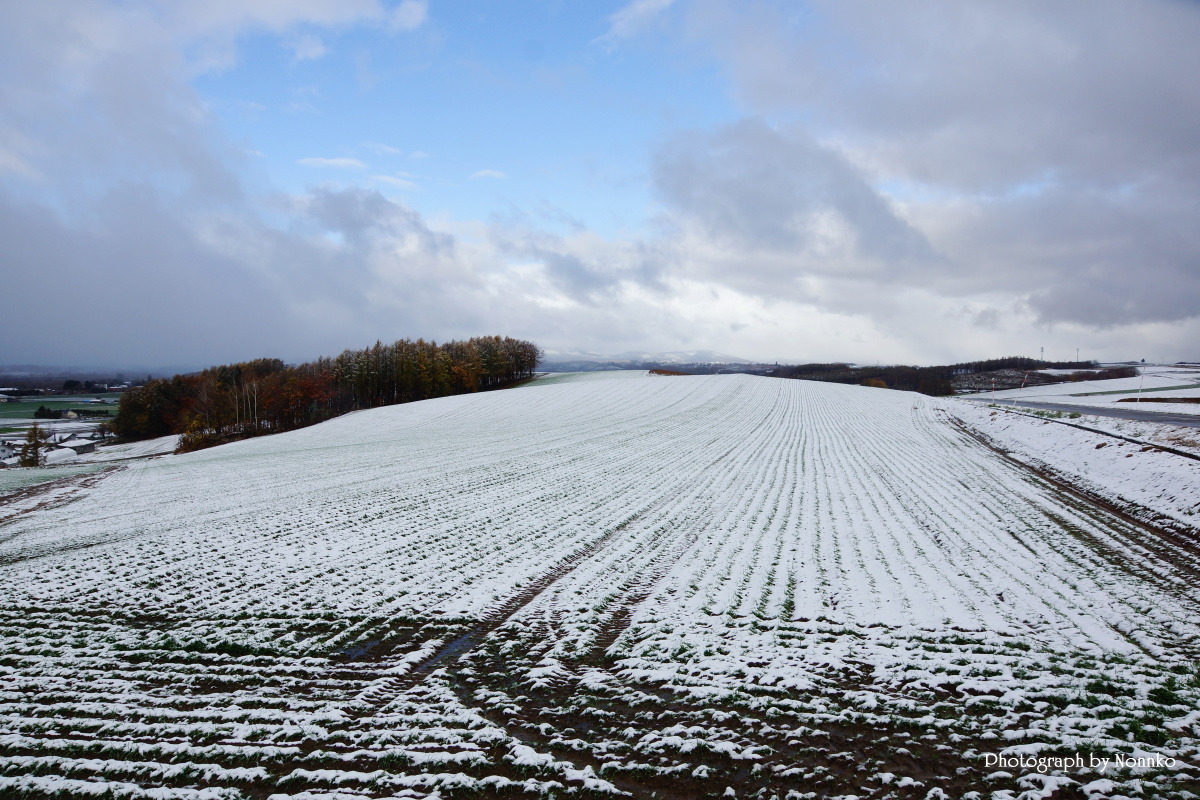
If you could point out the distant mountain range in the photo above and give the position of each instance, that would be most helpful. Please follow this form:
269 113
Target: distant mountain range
674 357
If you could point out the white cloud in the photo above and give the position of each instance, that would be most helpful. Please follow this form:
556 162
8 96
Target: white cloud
11 162
634 18
213 16
301 107
335 163
419 154
488 173
209 30
306 48
392 180
409 15
382 149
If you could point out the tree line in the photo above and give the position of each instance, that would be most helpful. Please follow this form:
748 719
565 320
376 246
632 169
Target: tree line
235 401
939 380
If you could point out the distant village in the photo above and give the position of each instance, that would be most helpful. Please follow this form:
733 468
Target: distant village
58 445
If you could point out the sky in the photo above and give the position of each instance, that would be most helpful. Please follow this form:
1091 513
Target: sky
183 184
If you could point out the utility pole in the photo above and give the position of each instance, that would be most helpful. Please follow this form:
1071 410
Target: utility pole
1042 354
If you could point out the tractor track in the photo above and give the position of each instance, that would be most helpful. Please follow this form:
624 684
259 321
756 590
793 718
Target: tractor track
57 492
1187 541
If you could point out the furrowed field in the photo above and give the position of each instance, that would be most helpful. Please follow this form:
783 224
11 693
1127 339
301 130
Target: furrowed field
673 587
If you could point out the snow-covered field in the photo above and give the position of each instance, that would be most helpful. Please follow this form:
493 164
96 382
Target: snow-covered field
120 452
672 587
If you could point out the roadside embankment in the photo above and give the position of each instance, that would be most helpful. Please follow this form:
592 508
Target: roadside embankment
1146 482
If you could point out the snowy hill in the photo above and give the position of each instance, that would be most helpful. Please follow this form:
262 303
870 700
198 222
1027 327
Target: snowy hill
608 583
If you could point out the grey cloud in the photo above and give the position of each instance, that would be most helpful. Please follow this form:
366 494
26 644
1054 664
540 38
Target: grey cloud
1096 258
979 95
147 282
584 267
570 273
783 199
95 109
359 214
1047 151
135 287
133 239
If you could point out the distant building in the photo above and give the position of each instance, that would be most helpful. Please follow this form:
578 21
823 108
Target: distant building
80 446
87 413
7 450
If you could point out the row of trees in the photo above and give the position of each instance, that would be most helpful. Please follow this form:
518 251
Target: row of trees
72 386
1014 362
926 380
938 380
1100 374
234 401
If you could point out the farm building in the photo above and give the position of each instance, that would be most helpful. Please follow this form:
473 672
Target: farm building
87 413
80 446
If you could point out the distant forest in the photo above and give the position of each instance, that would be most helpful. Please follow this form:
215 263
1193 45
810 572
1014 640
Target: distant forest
940 380
235 401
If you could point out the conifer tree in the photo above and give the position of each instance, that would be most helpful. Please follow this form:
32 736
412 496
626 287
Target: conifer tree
32 452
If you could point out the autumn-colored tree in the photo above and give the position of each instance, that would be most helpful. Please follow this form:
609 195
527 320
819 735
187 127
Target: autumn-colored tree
265 396
33 452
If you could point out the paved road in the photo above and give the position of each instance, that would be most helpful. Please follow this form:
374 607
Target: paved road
1189 420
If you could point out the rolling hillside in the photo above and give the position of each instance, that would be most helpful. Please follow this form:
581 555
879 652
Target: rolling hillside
657 586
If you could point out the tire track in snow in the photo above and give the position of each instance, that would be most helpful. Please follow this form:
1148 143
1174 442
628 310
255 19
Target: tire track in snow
462 645
660 558
1102 539
53 494
448 654
1170 541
